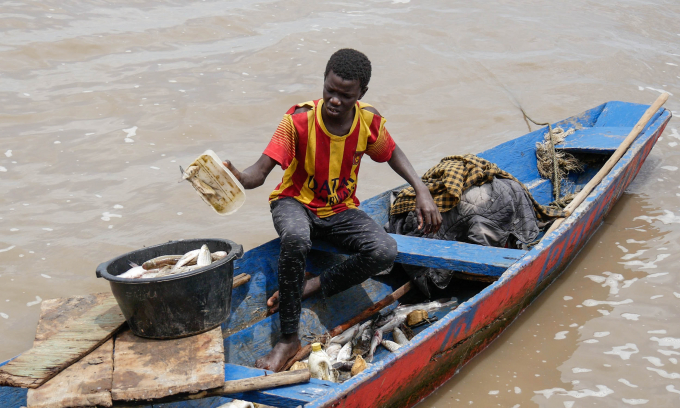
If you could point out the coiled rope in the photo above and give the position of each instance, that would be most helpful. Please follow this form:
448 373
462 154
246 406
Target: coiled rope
552 164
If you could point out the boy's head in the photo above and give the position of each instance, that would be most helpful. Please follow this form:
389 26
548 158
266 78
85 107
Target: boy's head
350 65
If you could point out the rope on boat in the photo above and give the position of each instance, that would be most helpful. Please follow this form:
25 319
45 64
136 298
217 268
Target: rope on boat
553 164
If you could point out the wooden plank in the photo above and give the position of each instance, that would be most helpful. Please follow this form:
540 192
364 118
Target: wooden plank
85 383
88 381
76 339
57 313
457 256
453 255
146 369
626 114
599 140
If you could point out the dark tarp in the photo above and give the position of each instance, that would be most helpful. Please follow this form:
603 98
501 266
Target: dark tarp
500 214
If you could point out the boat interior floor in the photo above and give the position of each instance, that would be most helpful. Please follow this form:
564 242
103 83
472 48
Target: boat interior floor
247 345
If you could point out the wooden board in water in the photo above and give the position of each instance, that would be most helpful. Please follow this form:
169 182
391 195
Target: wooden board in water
86 382
146 369
98 318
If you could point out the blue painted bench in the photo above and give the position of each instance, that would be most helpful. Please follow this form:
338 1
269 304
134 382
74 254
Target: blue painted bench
452 255
598 140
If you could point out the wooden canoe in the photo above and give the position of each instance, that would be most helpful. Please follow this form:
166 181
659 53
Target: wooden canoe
404 378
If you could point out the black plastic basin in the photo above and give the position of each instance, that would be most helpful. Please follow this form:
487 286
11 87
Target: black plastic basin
178 305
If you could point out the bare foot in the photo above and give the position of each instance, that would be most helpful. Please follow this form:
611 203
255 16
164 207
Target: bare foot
311 286
283 351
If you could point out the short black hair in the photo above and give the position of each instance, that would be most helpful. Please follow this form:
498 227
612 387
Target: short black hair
350 64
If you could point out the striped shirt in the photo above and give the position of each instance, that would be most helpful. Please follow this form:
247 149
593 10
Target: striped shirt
321 169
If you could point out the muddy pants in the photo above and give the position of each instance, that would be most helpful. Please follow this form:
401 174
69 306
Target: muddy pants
353 230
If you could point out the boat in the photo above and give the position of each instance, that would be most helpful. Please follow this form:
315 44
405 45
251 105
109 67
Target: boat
514 278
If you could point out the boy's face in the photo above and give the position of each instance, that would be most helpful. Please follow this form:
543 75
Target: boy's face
340 95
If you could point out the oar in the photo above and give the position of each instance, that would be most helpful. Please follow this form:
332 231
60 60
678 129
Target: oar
375 308
620 151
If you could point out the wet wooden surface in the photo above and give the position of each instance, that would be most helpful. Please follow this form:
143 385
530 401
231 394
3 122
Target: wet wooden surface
88 381
85 383
146 369
63 342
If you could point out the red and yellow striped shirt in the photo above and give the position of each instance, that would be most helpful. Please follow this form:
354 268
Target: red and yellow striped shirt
321 169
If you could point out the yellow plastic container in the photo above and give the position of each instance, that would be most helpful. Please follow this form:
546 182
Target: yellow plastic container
216 185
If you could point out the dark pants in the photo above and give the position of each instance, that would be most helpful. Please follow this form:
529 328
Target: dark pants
374 251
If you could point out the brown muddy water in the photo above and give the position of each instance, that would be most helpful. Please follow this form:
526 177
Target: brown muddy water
102 101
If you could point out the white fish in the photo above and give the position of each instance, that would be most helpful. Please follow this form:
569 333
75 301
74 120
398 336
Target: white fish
345 352
177 271
187 258
398 316
161 261
392 322
377 338
157 273
134 272
361 330
399 336
429 307
190 172
216 256
237 404
204 258
148 272
333 350
346 336
390 345
201 187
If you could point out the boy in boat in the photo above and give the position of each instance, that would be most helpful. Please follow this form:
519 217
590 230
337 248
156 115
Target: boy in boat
320 144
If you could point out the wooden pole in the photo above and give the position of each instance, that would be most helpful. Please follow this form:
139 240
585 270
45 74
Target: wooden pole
620 151
265 381
238 386
375 308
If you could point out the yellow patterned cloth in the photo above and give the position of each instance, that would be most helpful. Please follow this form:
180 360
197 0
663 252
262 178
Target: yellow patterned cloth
452 176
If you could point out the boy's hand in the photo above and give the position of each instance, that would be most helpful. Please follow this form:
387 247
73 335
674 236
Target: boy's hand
254 175
233 170
429 218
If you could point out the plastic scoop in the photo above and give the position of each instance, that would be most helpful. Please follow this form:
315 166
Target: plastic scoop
216 185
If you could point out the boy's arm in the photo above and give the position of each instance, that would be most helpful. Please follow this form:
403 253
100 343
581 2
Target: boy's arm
255 175
280 150
429 218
